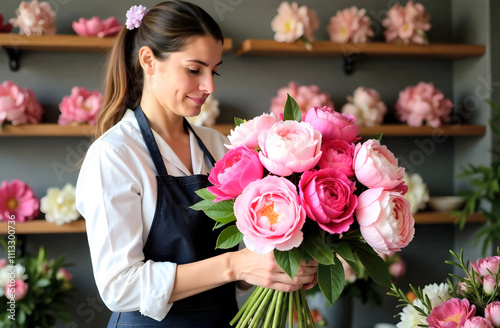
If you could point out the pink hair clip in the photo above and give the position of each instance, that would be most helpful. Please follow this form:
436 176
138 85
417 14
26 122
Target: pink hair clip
134 16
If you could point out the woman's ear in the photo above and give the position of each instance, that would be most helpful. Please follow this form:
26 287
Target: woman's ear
147 60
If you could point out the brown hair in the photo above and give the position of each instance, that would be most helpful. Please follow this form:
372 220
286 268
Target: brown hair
165 28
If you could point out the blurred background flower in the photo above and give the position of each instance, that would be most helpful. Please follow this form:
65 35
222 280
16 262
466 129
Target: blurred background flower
35 18
293 23
59 205
4 27
418 194
18 202
18 105
350 25
97 26
366 106
81 106
407 24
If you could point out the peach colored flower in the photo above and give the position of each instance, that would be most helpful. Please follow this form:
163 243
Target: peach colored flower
451 314
81 106
4 28
350 25
332 125
97 27
423 103
366 106
18 105
18 201
293 22
247 134
407 24
35 18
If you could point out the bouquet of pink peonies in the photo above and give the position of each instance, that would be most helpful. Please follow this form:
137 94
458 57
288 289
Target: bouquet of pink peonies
307 190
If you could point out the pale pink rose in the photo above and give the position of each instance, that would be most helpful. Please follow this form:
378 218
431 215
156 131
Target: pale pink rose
305 96
81 106
18 291
35 18
423 102
97 27
492 313
477 322
376 166
289 147
18 105
406 24
451 314
269 215
293 22
350 25
328 198
332 125
385 220
18 201
247 134
226 176
338 154
365 105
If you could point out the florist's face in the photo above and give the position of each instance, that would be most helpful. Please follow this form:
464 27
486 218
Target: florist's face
182 82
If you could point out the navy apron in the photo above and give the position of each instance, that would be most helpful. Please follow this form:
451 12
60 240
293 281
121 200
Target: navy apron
181 235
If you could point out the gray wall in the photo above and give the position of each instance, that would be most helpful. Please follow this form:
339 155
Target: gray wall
245 89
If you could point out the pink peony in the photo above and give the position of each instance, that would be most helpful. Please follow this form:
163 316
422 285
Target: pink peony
97 27
376 166
305 96
332 125
18 291
269 215
289 147
18 201
423 103
328 198
365 105
486 266
397 269
227 177
81 106
35 18
293 22
247 134
350 25
492 313
385 220
477 322
18 105
338 154
407 24
451 314
4 28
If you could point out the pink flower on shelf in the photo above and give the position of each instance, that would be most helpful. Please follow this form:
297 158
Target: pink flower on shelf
338 154
365 105
247 134
407 24
477 322
18 201
97 27
492 313
423 102
289 147
35 18
18 291
484 266
294 22
226 177
18 105
269 215
385 220
305 96
350 25
81 106
332 125
451 314
328 198
4 28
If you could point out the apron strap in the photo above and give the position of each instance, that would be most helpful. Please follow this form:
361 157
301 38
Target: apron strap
200 143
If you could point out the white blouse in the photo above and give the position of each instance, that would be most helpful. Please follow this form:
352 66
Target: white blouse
116 194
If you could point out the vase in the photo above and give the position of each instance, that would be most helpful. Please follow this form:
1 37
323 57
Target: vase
337 316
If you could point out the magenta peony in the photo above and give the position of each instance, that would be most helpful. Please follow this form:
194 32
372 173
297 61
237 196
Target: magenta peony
365 105
226 177
294 22
97 27
4 28
328 198
289 147
332 125
423 102
492 313
350 25
451 314
247 134
16 291
81 106
18 105
269 215
35 18
338 154
406 24
385 220
18 201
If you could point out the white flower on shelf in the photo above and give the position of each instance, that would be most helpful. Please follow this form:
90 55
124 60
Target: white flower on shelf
418 194
59 205
209 112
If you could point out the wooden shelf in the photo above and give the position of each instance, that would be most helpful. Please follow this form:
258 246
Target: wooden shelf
444 218
403 130
252 47
43 227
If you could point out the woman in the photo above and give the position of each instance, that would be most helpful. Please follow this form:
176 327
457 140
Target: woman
153 258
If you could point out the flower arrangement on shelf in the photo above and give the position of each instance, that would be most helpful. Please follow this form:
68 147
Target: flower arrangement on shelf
291 202
470 301
34 18
59 206
82 106
38 293
350 25
18 105
418 193
423 103
4 27
18 202
365 104
96 26
295 23
208 114
407 24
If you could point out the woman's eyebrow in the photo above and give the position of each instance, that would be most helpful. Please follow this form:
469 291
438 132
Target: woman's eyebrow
202 62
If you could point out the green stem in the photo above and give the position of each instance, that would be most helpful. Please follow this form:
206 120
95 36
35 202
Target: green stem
284 311
277 315
298 308
307 311
246 306
260 310
251 309
290 310
271 313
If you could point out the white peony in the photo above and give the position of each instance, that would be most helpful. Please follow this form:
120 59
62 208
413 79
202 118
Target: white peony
59 205
437 293
410 318
365 105
209 112
418 194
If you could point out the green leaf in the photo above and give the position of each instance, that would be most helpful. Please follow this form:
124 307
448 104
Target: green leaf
289 261
319 250
205 194
229 237
292 110
374 264
202 205
222 211
238 121
331 280
44 282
